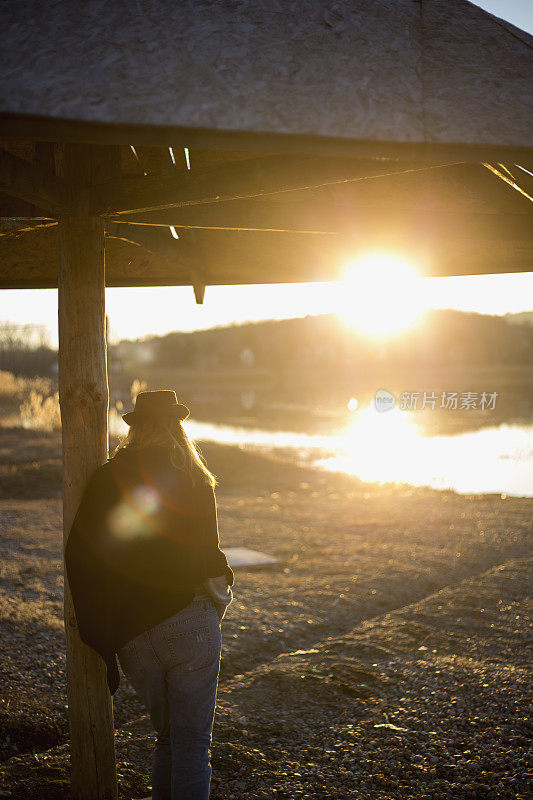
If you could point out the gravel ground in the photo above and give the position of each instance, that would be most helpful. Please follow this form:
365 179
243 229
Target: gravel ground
394 607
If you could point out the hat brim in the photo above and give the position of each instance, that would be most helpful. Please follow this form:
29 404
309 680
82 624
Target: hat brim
180 412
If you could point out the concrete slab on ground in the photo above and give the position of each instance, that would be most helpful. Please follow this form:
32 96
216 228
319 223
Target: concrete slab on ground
244 557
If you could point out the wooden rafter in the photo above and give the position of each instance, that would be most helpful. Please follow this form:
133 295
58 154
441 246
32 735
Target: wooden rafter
156 240
13 208
233 181
319 218
162 161
21 179
226 257
506 176
425 153
488 187
523 177
177 256
10 226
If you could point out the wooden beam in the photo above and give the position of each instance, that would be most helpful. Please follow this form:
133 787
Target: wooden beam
176 254
300 266
506 176
132 265
155 240
315 217
45 157
229 257
13 208
9 226
157 160
232 181
27 182
523 178
490 188
199 290
84 398
33 128
44 160
196 260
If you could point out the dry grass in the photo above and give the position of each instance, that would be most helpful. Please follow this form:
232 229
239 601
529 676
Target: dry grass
33 403
30 402
39 412
14 389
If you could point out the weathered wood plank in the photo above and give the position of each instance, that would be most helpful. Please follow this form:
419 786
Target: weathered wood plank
505 175
177 255
315 217
520 176
44 157
501 196
158 160
9 226
27 182
145 269
229 257
30 260
84 398
13 208
239 180
425 153
156 240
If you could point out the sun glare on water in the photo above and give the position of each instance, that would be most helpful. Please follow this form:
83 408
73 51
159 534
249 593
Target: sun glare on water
378 446
381 295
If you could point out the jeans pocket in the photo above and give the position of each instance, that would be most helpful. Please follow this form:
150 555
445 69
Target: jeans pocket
192 649
129 660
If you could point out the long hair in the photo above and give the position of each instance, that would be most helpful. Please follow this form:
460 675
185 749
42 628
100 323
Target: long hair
185 454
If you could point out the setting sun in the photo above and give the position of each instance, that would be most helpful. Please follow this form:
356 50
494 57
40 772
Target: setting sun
289 243
381 294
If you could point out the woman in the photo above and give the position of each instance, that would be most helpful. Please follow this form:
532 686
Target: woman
150 584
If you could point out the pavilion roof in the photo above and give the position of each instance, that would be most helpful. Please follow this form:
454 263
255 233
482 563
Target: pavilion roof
312 130
404 71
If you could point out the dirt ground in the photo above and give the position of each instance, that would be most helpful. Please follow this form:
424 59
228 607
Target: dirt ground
385 656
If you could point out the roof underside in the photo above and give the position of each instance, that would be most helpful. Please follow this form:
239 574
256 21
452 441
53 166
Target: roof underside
413 95
450 220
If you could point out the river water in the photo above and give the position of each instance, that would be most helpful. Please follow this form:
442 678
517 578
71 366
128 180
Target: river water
393 447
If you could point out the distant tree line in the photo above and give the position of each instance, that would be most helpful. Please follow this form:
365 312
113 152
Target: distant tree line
444 337
25 350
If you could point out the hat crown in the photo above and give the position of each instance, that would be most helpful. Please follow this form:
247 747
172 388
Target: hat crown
157 400
158 403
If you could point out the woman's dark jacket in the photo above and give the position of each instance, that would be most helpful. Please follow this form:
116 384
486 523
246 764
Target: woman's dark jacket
142 540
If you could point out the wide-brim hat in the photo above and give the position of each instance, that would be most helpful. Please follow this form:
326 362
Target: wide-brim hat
160 404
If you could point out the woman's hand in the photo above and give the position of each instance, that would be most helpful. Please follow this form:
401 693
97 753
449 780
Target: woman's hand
221 594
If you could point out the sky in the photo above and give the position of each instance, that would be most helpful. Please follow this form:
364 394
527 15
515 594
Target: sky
135 313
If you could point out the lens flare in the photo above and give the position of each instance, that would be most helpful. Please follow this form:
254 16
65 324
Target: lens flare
131 519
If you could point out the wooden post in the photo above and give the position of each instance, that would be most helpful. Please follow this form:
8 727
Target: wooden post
84 398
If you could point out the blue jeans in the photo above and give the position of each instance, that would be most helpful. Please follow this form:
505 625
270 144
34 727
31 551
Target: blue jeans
174 669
